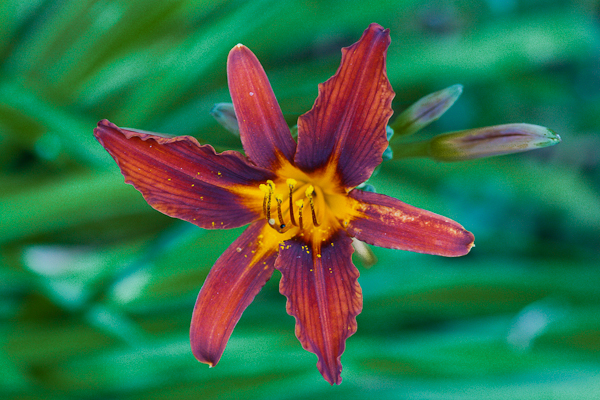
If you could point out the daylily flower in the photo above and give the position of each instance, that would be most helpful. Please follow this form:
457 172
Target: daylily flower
299 199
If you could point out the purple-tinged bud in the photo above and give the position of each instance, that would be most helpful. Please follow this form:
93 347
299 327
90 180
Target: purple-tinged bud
425 111
490 141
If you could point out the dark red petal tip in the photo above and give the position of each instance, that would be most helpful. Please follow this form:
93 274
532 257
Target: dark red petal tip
323 295
347 125
233 282
387 222
264 133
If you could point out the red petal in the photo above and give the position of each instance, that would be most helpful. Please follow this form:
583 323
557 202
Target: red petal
265 135
347 123
234 280
387 222
324 296
179 177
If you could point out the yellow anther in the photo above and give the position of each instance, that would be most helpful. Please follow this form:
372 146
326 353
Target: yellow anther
279 198
271 184
309 191
263 188
291 182
300 203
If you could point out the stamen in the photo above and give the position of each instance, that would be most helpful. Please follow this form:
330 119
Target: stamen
265 190
269 190
309 193
271 187
300 204
279 200
312 209
291 183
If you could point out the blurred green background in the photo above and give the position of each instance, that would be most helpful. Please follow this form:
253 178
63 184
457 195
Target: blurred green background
97 288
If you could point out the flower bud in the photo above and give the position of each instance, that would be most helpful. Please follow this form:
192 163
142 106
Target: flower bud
425 111
224 113
364 253
490 141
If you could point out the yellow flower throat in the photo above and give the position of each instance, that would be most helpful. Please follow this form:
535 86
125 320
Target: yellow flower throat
315 207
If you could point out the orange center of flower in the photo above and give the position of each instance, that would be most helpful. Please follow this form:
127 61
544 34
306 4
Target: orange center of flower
313 206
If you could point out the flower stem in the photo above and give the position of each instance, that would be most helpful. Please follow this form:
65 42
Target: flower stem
411 149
